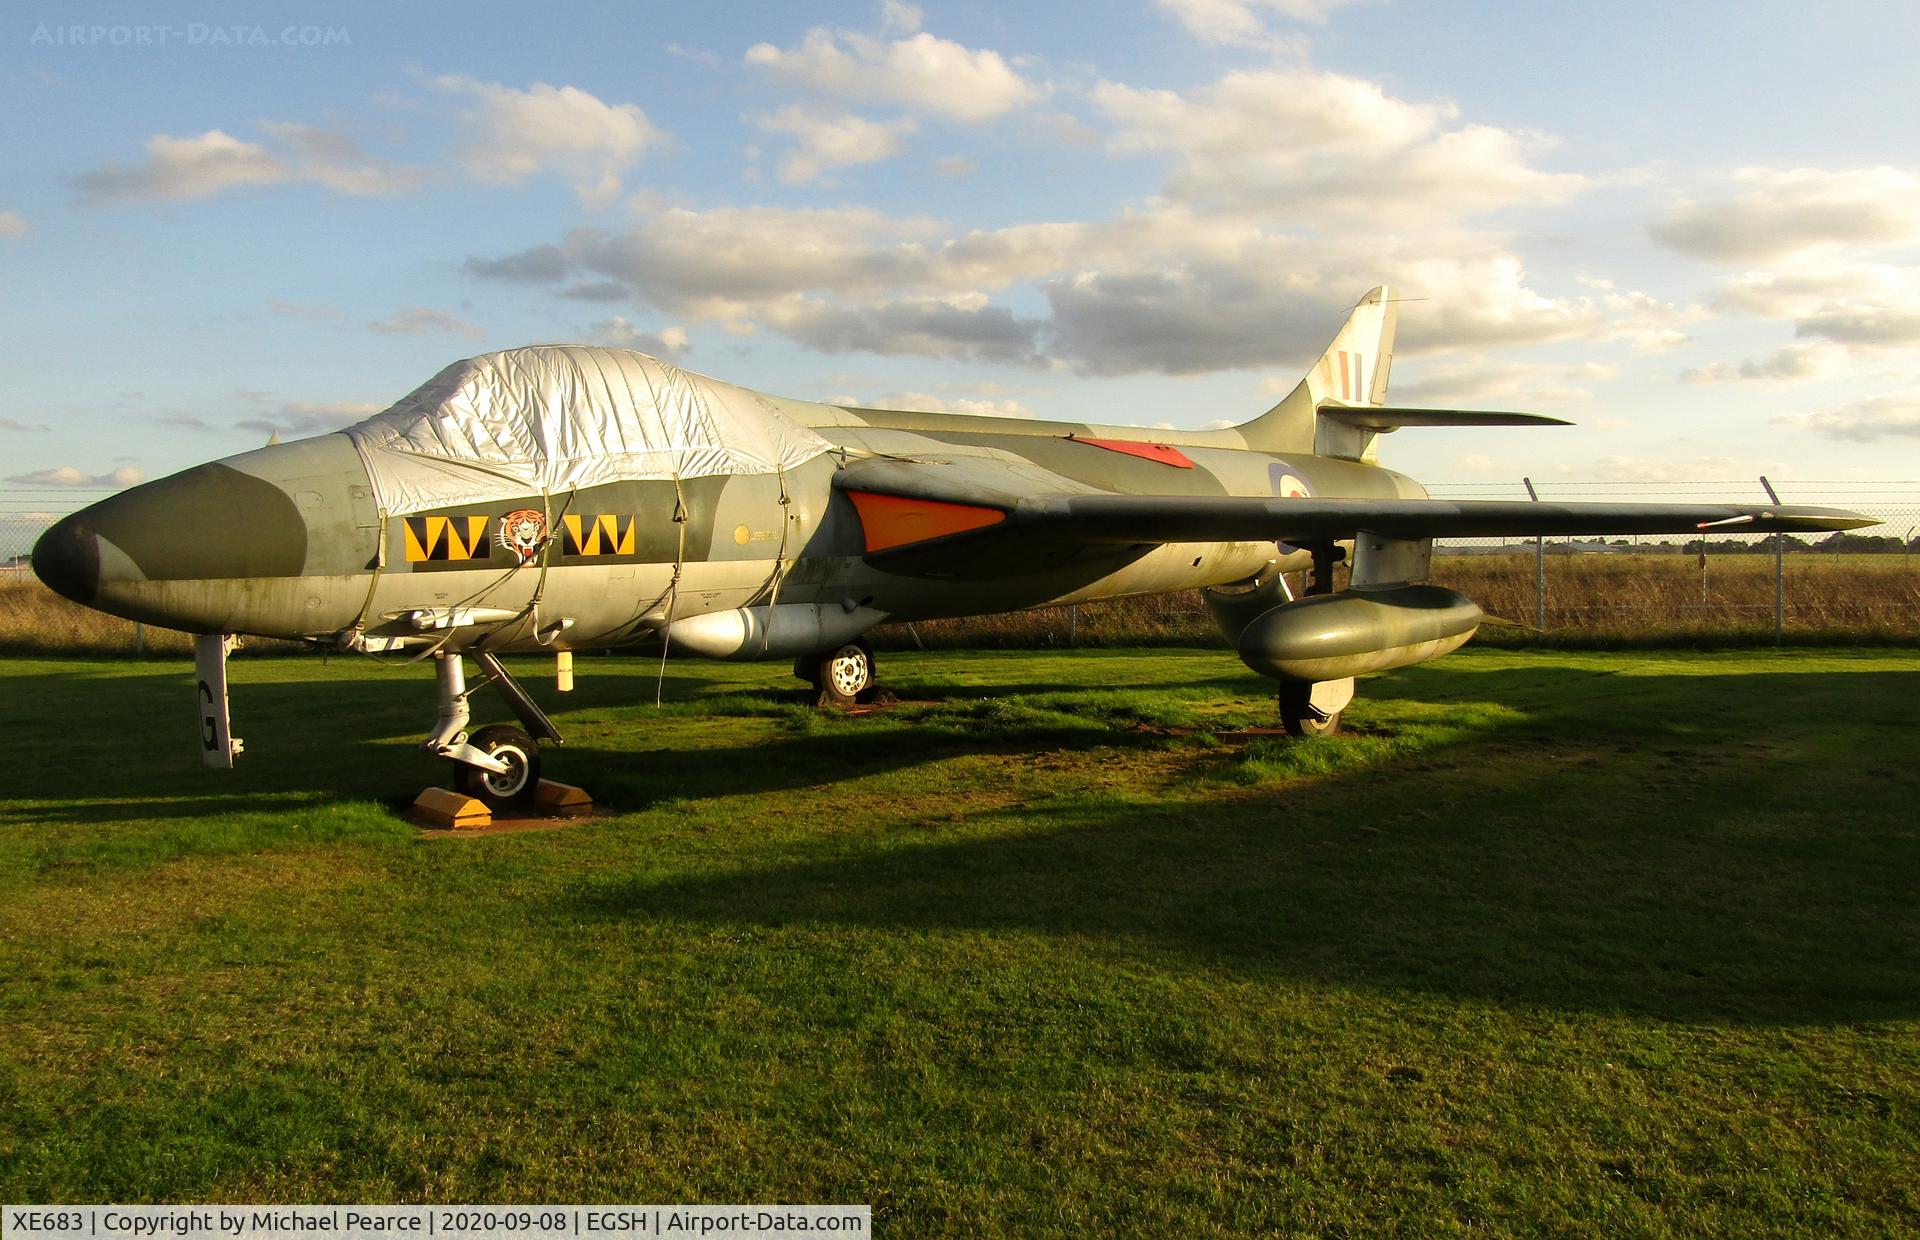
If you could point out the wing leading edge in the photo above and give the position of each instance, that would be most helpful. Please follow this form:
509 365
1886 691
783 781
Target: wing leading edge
1161 518
1008 503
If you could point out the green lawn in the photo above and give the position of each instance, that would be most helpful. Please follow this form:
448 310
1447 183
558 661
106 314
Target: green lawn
1606 944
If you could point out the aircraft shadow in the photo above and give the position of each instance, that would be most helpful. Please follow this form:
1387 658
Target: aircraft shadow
1647 844
1706 895
108 748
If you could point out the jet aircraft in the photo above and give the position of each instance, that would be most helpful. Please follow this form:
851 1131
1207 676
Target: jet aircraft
565 498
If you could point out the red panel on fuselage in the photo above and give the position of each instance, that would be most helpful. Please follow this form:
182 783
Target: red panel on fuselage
891 521
1165 454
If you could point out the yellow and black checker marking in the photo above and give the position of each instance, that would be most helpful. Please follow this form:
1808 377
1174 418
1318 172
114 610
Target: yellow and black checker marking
606 534
441 539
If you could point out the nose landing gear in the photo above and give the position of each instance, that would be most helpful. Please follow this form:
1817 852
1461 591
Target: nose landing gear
516 752
498 764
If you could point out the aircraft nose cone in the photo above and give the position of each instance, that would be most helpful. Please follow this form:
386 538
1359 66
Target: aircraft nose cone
67 558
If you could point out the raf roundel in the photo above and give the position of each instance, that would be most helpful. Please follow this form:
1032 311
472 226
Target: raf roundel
522 531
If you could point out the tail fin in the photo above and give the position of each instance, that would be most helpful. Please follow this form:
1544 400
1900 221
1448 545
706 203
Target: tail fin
1352 372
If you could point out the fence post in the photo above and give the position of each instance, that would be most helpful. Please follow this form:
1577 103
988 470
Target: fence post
139 638
1539 568
1779 572
1073 627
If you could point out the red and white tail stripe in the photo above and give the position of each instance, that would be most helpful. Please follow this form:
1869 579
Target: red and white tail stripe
1353 385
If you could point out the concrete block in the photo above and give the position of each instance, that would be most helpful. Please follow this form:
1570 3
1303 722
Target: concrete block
558 798
438 807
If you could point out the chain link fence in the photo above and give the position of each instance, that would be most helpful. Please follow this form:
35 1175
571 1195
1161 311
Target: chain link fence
1863 586
26 511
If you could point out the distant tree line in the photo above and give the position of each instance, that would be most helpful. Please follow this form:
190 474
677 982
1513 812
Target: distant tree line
1842 543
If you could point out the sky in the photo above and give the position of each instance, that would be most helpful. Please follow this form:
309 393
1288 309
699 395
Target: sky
1693 229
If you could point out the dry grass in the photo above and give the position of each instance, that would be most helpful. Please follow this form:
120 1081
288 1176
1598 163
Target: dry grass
1604 599
35 619
1637 597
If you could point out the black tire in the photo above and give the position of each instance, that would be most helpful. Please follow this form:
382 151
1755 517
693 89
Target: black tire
1297 714
844 674
501 791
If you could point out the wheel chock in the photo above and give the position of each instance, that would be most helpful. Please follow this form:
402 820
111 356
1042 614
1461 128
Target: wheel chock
561 799
439 807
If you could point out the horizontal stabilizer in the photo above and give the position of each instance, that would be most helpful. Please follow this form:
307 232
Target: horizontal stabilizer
1380 418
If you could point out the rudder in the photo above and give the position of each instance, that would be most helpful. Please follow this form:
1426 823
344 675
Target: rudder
1353 372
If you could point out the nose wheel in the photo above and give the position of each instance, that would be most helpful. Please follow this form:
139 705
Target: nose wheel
514 750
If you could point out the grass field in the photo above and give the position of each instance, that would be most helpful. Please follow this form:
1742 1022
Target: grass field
1604 944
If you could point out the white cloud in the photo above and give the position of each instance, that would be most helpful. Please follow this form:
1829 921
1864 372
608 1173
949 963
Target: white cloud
699 56
824 142
1518 385
12 224
668 342
518 134
1165 288
1895 415
964 328
1694 469
329 158
1252 257
68 476
1801 290
9 424
301 417
1646 323
897 17
926 402
955 167
1244 22
216 161
1324 147
420 320
1794 364
918 71
182 421
1869 325
185 168
1779 213
1227 309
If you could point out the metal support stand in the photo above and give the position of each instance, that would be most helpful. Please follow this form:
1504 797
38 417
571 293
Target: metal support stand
1539 568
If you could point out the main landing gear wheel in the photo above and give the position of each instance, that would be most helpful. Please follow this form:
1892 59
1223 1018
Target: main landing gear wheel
1299 716
842 675
501 789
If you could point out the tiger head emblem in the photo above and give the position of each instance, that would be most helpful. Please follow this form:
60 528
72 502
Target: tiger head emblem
522 532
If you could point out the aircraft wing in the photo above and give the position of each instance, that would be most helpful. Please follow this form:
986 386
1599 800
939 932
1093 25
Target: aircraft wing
912 510
1163 518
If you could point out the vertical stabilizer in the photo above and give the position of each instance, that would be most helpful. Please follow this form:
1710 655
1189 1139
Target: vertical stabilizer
1352 373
